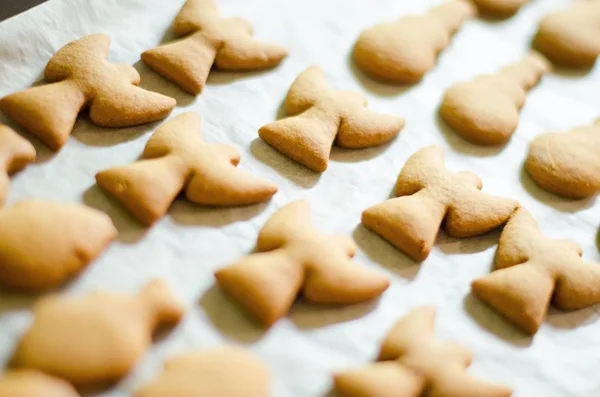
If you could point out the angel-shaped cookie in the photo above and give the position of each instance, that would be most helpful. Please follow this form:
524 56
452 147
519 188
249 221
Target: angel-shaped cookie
219 372
15 153
95 339
209 40
485 111
79 77
567 163
432 197
43 244
532 271
321 116
294 258
24 383
176 159
413 363
571 36
405 50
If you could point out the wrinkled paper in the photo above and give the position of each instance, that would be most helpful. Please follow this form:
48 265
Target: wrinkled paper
185 247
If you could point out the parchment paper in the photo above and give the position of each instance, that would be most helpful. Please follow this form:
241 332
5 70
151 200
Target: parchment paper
302 350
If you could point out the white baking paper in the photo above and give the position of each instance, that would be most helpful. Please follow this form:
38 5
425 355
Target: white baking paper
185 247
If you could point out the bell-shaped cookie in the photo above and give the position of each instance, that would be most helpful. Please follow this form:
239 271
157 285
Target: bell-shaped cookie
95 339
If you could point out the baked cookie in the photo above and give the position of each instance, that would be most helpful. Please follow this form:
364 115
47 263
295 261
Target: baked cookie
176 159
567 163
43 244
15 153
33 384
532 271
295 258
209 40
97 338
405 50
499 8
222 372
485 111
321 116
432 197
413 363
79 77
571 36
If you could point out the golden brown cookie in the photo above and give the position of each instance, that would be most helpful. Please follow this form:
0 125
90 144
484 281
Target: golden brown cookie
220 372
571 36
432 197
567 163
98 338
405 50
209 40
485 111
79 77
413 363
295 258
23 383
15 153
532 271
176 159
499 8
43 244
321 116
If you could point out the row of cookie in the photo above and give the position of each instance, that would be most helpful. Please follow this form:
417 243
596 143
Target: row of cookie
97 339
389 51
80 77
429 197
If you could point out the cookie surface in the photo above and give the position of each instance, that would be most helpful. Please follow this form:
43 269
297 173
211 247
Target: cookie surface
432 197
223 372
43 244
295 258
567 163
499 8
571 36
532 271
15 153
405 50
175 159
320 116
22 383
79 75
97 338
209 40
413 363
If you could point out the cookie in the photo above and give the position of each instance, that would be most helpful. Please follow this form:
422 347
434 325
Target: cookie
209 40
499 8
432 197
569 37
176 159
43 244
78 77
567 163
321 116
95 339
405 50
413 363
15 153
533 271
223 372
293 258
485 111
34 384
